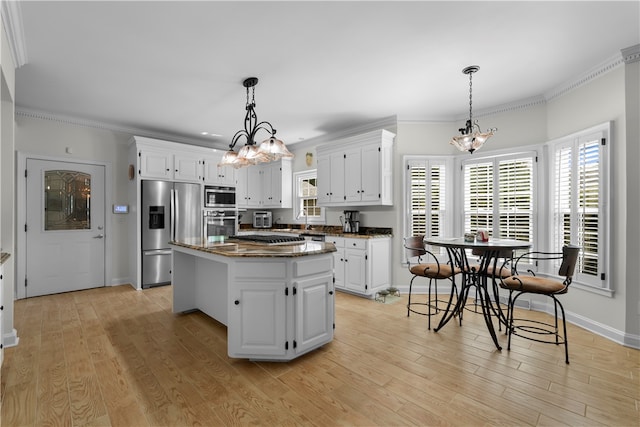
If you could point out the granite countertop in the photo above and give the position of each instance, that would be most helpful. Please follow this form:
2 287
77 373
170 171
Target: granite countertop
4 256
230 248
335 231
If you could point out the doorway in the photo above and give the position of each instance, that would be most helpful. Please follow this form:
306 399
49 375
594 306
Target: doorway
65 227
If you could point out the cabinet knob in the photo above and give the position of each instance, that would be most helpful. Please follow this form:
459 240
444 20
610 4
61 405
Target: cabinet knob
236 302
330 292
1 307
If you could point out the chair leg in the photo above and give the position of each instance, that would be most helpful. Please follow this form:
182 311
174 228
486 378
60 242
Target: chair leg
564 328
409 302
429 306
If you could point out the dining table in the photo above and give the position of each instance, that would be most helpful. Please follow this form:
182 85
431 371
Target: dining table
489 253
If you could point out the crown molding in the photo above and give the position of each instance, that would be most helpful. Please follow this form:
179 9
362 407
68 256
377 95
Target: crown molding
586 77
388 123
631 54
12 21
94 124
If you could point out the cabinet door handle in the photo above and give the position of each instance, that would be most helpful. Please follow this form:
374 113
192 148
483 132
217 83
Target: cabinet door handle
236 302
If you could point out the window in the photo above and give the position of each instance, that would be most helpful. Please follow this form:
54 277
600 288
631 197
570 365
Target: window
578 191
499 196
306 197
426 202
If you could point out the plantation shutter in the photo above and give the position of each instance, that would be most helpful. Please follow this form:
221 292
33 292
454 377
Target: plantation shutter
588 205
515 199
578 201
427 213
437 200
418 199
478 197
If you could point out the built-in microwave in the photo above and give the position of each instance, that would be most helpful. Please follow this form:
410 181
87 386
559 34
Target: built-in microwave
219 197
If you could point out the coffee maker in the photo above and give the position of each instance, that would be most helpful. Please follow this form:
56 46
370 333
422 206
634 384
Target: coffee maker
351 222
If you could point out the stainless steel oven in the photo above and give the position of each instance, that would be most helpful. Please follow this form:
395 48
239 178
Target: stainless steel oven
217 223
219 197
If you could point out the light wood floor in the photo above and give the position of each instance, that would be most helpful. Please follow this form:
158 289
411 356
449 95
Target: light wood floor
116 356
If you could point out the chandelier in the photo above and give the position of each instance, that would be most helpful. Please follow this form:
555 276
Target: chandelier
251 153
471 138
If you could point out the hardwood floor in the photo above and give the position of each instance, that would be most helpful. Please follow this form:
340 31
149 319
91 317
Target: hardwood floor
116 356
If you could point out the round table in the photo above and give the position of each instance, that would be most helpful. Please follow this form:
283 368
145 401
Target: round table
489 252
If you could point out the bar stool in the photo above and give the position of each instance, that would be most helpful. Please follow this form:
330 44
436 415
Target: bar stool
434 270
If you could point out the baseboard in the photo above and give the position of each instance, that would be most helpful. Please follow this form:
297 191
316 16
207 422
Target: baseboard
120 281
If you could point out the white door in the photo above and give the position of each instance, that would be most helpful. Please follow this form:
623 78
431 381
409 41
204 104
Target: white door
65 227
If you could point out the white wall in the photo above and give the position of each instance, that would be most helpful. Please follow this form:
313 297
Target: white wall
50 138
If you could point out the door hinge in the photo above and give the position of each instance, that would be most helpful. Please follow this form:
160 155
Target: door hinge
334 326
334 279
379 149
602 276
295 290
366 287
25 228
25 282
25 173
286 345
139 153
286 291
536 159
366 257
603 141
295 344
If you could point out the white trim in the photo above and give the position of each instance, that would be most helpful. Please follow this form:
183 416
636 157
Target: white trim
12 20
297 177
96 124
21 215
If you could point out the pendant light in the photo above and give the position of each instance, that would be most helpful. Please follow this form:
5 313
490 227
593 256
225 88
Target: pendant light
471 138
251 153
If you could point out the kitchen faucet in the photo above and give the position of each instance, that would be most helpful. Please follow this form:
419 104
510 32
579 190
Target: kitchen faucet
306 217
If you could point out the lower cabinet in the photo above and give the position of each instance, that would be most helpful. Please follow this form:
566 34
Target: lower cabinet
362 265
279 318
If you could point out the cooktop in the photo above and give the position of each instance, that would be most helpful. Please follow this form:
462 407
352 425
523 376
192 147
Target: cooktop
270 239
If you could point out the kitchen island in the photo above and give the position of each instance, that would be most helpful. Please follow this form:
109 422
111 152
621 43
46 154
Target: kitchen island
276 301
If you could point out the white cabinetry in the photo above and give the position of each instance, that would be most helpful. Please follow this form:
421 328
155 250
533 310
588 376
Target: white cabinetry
282 310
155 164
267 185
258 321
172 161
218 175
356 171
187 167
362 266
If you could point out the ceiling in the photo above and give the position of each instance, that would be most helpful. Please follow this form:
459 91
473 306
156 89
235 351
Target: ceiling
175 68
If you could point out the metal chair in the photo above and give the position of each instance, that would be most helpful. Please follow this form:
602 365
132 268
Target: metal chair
434 270
520 284
502 270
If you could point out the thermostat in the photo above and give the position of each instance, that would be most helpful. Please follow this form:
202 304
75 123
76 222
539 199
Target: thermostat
120 209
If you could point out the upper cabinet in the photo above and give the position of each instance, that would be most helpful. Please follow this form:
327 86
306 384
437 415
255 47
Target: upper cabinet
218 175
267 185
356 171
173 161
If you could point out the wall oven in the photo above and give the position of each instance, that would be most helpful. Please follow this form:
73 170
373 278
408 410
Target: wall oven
219 197
217 223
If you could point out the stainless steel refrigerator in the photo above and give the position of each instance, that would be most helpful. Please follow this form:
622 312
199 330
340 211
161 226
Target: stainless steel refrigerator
170 211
